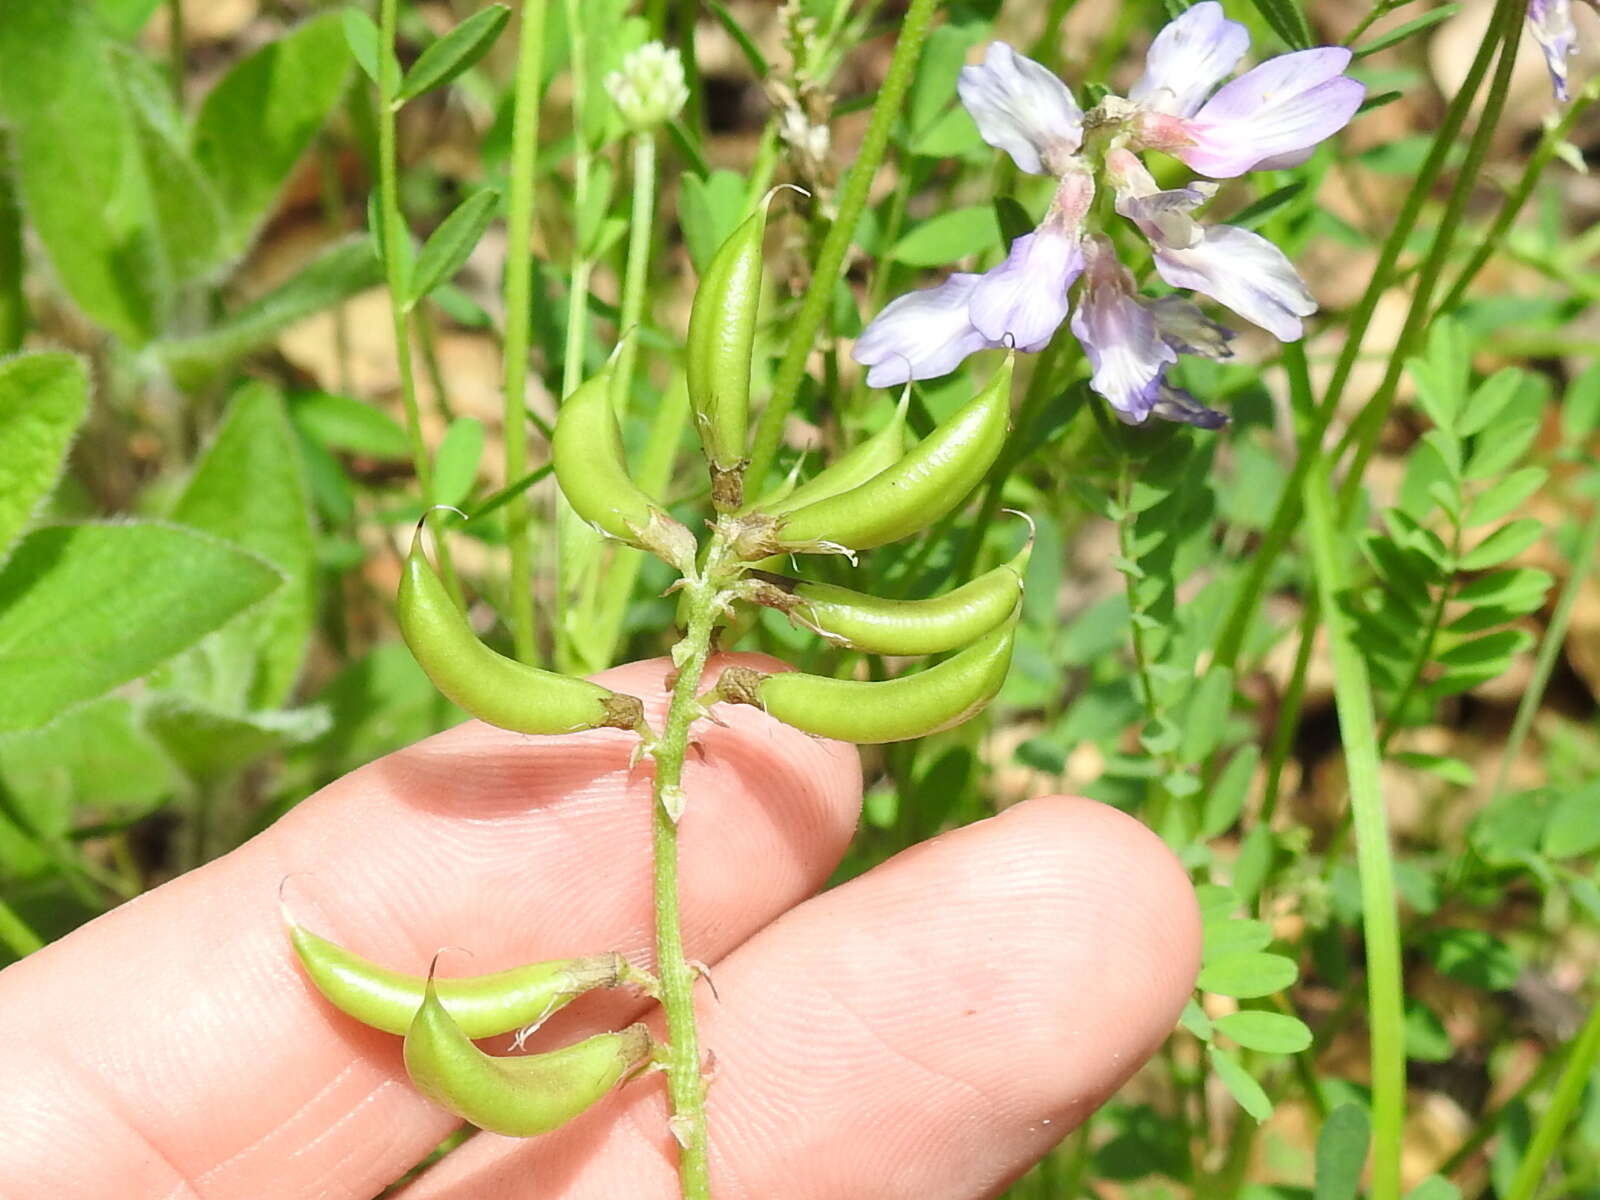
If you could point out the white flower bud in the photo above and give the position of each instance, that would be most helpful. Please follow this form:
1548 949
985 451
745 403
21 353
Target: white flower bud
648 88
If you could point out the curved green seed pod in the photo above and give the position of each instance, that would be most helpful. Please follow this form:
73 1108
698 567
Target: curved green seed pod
868 458
519 1096
586 452
923 486
482 1005
889 711
490 686
722 333
880 626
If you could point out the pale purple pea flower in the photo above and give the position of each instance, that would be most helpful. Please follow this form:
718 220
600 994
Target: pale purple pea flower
1023 109
1187 60
1120 336
921 335
1025 297
1550 22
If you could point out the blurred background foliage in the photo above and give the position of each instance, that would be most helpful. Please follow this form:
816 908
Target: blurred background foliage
206 482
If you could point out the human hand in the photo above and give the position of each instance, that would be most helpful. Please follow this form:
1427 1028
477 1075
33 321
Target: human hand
927 1030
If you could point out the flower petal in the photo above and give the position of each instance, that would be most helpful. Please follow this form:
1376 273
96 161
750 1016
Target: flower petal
1550 22
1120 337
1023 109
1285 106
1188 58
1242 271
921 335
1025 297
1188 330
1176 404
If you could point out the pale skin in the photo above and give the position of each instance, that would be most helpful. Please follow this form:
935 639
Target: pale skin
925 1031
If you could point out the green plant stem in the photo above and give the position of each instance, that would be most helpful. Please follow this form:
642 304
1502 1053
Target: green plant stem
1288 722
1513 204
1380 922
397 270
636 276
1365 431
519 314
694 109
1550 648
685 1083
177 62
1556 1123
16 934
1286 517
830 262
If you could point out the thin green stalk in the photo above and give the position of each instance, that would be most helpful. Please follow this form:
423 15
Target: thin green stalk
636 276
397 266
694 110
1424 653
1518 196
1289 713
16 934
830 262
1380 921
1368 427
177 62
685 1083
1286 518
1046 47
13 304
519 314
1550 648
1556 1123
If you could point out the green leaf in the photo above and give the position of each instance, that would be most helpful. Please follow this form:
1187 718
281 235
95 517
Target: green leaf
1434 1187
953 135
1342 1153
1496 450
711 209
1399 34
1426 1037
339 272
187 217
124 18
1254 215
96 759
340 423
208 745
1194 1019
1268 1032
1505 495
943 55
949 236
447 249
250 490
1226 936
1240 1084
1510 540
1489 400
43 399
455 52
257 122
1580 407
1574 826
1451 770
1491 650
362 38
1248 975
1506 587
1206 715
85 608
1225 800
1474 957
455 467
77 163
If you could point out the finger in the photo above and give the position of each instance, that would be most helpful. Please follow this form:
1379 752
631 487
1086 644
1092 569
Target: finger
173 1047
928 1030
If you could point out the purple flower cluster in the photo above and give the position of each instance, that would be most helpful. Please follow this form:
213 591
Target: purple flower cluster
1272 116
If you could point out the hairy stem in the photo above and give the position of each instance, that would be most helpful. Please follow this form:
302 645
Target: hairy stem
519 311
830 262
686 1084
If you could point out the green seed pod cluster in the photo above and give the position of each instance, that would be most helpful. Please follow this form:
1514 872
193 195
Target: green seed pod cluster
490 686
519 1096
